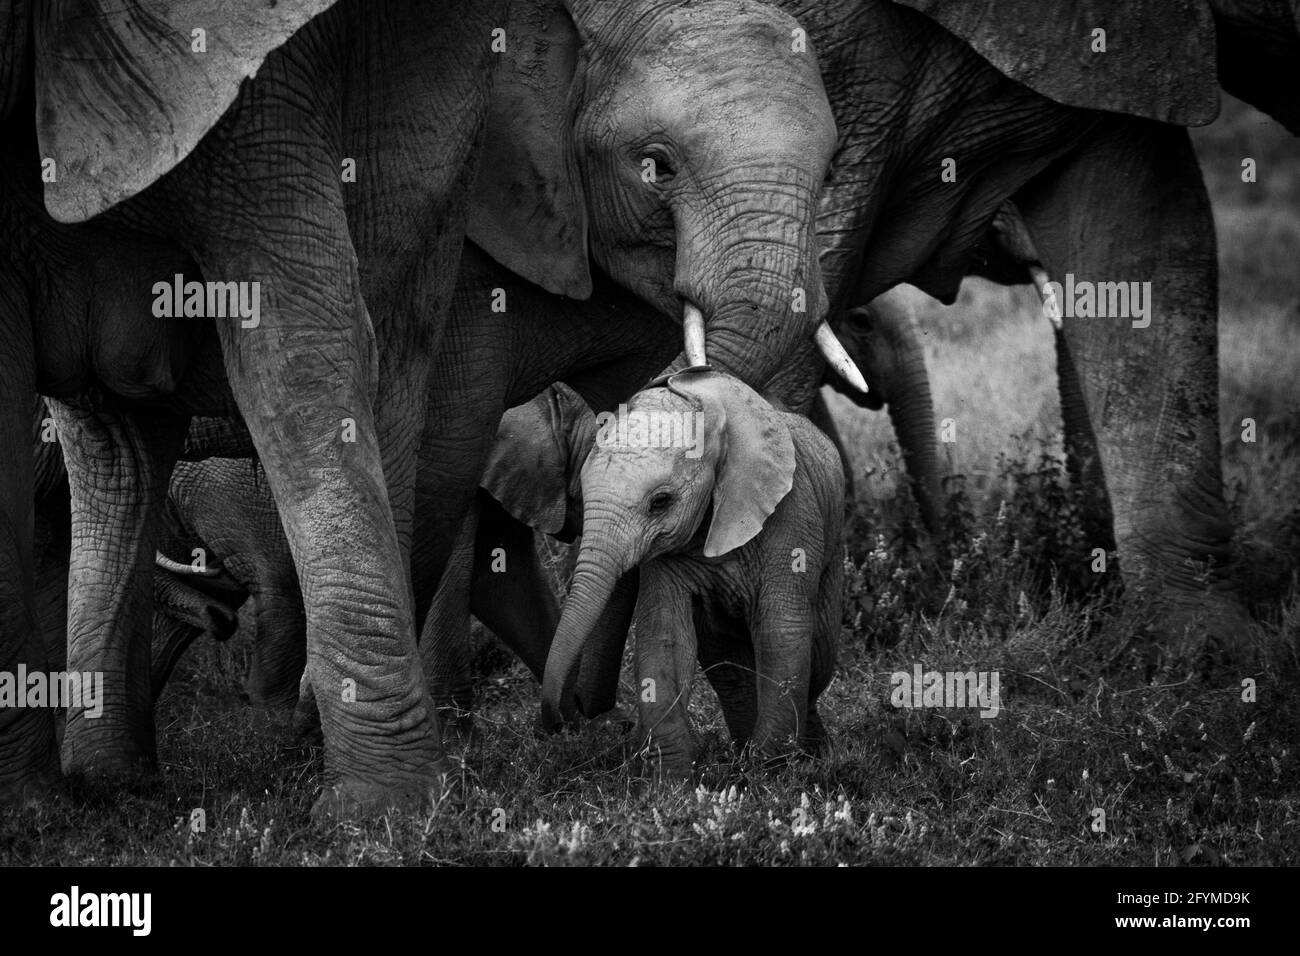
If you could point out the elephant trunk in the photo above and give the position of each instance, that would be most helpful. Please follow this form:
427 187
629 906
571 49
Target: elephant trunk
595 577
761 295
911 411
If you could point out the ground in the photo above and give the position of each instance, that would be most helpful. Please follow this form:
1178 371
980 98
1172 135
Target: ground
1098 755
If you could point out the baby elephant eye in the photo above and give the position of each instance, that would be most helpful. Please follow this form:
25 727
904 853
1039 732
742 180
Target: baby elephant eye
660 503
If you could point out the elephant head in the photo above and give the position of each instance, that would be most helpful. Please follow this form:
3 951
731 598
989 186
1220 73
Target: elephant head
697 189
699 443
884 339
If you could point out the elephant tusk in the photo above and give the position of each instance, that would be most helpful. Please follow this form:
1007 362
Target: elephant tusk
1051 308
693 331
838 358
167 564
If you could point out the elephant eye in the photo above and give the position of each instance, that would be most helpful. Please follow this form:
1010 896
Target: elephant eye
663 167
660 503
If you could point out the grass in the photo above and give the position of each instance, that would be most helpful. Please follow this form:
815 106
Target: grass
1186 771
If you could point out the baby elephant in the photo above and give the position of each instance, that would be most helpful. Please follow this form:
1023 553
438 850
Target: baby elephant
733 510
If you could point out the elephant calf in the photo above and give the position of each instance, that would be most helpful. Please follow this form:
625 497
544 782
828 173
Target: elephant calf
733 511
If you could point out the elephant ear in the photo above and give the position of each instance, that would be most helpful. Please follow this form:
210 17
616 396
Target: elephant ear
755 465
528 469
125 89
526 209
1159 59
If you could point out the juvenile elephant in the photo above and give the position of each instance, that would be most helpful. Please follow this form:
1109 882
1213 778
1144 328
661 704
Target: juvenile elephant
732 510
530 484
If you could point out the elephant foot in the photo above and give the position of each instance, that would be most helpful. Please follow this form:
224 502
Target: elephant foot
814 738
37 784
665 760
353 798
95 748
31 791
1206 629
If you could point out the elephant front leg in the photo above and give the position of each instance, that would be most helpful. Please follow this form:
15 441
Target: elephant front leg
29 759
445 638
782 626
304 377
280 650
665 666
1125 226
118 469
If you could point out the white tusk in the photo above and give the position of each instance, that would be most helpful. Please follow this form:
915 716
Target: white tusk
167 564
1051 308
693 330
838 358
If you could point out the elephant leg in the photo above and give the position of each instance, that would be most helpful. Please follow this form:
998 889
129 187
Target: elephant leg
782 626
53 553
825 648
665 666
1082 456
304 379
727 656
29 759
445 640
118 464
280 648
1131 208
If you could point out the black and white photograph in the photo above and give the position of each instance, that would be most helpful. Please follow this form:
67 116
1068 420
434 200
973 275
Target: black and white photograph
651 433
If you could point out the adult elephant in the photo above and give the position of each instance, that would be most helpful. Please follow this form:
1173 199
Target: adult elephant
947 113
332 186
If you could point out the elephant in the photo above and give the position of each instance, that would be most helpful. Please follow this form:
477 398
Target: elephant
945 112
732 509
883 339
158 162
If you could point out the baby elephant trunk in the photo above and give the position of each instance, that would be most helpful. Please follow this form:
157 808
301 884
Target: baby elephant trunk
594 579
